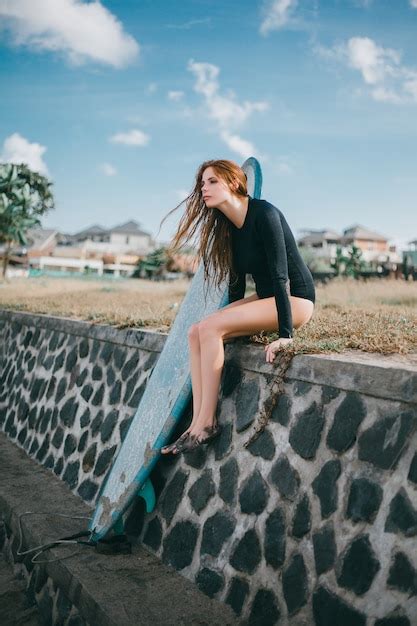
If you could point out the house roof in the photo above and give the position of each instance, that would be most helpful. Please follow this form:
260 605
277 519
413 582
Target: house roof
317 236
360 232
131 227
36 238
95 229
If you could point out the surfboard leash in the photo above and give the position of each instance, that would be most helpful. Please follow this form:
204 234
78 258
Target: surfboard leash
117 544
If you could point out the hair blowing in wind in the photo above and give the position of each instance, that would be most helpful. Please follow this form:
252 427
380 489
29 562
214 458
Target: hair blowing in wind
211 224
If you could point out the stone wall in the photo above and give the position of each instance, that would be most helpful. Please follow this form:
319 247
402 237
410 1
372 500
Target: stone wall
315 522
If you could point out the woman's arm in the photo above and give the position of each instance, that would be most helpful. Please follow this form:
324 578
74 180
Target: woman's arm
270 229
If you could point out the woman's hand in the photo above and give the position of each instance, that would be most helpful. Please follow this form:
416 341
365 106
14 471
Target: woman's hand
276 346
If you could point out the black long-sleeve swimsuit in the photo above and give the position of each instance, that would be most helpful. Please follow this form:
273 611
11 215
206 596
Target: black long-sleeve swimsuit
265 247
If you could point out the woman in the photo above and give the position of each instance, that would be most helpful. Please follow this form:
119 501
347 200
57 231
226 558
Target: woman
239 235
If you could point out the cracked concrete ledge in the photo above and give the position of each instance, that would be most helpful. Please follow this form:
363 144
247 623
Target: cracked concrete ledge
106 590
393 377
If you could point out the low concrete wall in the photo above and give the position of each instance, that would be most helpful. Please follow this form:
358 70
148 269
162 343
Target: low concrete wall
313 522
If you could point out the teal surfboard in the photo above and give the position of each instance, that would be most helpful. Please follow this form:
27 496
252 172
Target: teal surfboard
164 400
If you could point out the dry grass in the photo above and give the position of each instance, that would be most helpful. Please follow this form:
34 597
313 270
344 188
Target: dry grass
376 316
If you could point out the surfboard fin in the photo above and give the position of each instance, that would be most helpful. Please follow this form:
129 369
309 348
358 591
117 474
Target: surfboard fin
147 492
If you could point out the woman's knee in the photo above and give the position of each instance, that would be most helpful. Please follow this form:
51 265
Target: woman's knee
193 334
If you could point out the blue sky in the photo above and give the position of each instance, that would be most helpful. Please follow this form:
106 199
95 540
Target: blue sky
119 102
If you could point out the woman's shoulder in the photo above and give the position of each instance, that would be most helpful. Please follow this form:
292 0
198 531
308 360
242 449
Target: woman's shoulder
265 209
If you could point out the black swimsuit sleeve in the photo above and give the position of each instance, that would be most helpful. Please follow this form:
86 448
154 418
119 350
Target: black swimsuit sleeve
237 287
270 229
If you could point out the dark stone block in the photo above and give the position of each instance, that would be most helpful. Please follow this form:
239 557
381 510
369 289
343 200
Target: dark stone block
153 534
402 575
110 377
71 360
285 478
263 446
402 517
71 474
98 396
21 437
302 518
69 446
394 619
364 501
179 545
115 393
275 538
306 432
108 425
412 474
49 462
89 458
54 418
36 391
201 491
294 584
83 441
124 427
41 453
172 495
86 392
83 348
96 423
328 394
59 466
231 377
330 610
80 380
347 419
34 446
216 530
106 352
97 373
104 460
384 443
247 401
324 544
236 594
130 386
119 357
221 445
32 416
265 609
196 458
281 412
87 490
254 494
137 395
51 387
130 366
85 418
359 566
68 412
325 487
209 581
229 474
59 360
247 554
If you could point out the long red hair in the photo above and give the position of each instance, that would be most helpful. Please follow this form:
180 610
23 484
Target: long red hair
212 226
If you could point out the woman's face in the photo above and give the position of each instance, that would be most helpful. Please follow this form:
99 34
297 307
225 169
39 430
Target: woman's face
214 189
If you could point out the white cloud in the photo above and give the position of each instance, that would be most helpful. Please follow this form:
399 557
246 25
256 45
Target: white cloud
133 137
276 15
181 194
284 169
83 31
228 113
190 24
17 149
381 69
413 4
108 169
175 95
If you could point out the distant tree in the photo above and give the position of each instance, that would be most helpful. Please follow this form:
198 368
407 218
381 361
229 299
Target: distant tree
339 262
24 196
153 265
355 264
